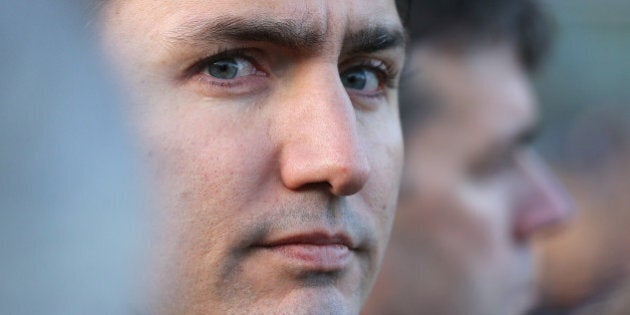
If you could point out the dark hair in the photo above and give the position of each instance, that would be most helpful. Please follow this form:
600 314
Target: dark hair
466 24
402 6
476 22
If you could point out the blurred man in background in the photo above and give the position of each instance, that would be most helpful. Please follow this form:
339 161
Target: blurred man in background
473 192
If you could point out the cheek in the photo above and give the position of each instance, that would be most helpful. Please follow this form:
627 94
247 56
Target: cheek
462 220
382 141
489 209
197 154
203 179
385 153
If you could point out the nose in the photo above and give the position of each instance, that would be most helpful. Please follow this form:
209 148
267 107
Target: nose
543 201
320 143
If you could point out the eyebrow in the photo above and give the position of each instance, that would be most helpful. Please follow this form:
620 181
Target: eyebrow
374 39
528 135
522 139
288 33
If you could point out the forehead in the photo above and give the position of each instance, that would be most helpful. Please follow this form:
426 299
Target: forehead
484 91
331 18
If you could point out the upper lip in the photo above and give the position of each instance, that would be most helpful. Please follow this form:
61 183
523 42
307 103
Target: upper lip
310 238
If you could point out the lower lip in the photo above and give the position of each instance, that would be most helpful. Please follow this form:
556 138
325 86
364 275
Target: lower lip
330 257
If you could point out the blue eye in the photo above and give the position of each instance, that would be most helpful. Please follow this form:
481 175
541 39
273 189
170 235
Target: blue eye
361 79
230 68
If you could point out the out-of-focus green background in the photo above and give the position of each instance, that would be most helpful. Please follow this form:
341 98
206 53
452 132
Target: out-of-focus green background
585 93
588 71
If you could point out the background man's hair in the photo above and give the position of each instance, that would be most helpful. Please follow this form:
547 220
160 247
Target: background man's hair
465 23
461 25
402 6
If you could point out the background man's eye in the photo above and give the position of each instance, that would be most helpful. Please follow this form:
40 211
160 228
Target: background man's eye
230 68
360 78
495 164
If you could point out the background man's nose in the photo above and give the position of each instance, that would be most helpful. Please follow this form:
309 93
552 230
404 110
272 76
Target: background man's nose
543 201
320 143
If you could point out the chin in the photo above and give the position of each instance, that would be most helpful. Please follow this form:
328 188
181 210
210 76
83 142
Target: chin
311 301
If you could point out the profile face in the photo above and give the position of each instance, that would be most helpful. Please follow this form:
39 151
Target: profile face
272 131
475 191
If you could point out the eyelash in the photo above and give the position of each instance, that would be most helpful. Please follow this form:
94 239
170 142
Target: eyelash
385 72
200 65
499 162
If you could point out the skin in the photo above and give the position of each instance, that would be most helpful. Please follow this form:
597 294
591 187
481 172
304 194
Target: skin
290 150
474 192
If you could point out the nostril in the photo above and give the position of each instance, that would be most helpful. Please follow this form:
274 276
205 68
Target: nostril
543 211
338 176
350 180
314 186
543 202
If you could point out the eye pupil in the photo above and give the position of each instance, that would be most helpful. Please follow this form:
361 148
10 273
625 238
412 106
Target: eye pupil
224 69
354 79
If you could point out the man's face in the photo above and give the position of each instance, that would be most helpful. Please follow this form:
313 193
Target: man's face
474 192
272 128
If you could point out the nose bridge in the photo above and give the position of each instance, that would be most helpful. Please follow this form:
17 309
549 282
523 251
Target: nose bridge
544 201
320 140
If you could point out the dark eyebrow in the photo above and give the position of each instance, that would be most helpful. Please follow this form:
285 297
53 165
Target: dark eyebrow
288 33
524 138
528 135
374 39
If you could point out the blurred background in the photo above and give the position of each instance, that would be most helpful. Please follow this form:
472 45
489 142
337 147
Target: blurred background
70 186
585 95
